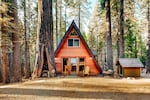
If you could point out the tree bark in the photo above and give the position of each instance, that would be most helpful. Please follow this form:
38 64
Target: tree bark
60 16
109 37
27 58
56 25
121 40
79 13
4 48
0 49
16 46
37 53
38 31
5 64
48 31
46 47
65 17
0 70
148 44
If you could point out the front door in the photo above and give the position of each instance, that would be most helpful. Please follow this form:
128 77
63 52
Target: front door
73 62
65 61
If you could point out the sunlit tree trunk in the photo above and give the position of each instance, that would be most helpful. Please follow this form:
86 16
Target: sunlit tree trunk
16 46
0 48
0 70
4 59
4 50
27 58
0 66
37 55
5 64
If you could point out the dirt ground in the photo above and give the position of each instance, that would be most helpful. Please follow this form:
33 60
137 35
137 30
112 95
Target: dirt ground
79 88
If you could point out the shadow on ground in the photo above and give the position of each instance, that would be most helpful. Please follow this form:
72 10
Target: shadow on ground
75 94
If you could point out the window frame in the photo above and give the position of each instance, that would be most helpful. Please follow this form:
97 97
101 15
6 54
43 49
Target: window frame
73 42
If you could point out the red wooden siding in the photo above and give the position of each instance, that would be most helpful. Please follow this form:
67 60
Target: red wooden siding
70 52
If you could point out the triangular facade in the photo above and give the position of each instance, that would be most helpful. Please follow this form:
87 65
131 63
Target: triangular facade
74 52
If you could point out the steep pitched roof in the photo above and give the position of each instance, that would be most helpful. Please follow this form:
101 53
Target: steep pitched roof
73 25
130 62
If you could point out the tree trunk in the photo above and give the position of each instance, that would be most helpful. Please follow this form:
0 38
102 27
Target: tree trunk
56 25
79 13
48 31
121 40
135 52
148 44
5 64
4 48
118 45
0 49
16 46
0 65
1 69
60 16
27 58
65 17
37 55
4 61
46 40
109 37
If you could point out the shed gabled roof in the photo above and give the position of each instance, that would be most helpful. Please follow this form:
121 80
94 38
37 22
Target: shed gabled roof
130 62
73 25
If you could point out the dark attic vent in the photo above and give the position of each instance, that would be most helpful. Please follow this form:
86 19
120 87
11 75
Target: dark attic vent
73 33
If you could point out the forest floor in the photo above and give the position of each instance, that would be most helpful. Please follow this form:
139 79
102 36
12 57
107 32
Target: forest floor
79 88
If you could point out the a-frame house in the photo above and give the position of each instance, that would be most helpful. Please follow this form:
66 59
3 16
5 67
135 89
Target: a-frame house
74 52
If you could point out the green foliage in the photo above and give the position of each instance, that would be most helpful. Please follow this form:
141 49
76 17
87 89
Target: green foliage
130 40
5 24
84 36
100 47
134 45
142 53
102 4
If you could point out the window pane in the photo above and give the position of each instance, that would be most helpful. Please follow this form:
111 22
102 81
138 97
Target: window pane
74 61
76 42
81 59
81 67
70 42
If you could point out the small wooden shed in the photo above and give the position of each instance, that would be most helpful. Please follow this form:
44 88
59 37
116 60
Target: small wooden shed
74 55
129 67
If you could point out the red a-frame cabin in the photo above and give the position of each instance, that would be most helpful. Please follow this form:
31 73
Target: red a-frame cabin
74 51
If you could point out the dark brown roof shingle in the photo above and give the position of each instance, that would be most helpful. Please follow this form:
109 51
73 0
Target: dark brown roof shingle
130 62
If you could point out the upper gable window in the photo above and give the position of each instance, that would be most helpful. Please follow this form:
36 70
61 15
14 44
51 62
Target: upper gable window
73 42
73 33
